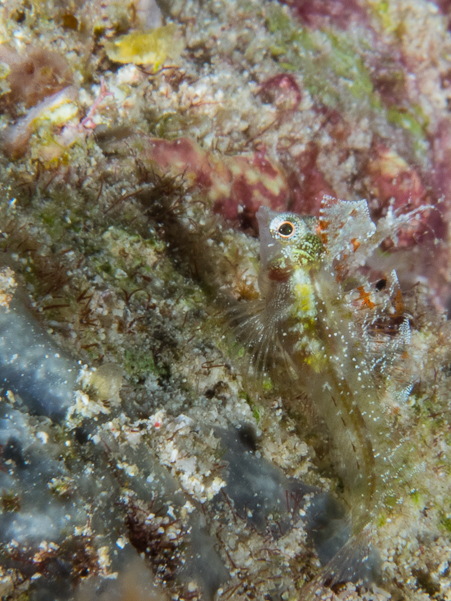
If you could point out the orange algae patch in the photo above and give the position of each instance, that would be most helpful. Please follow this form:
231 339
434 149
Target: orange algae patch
146 48
236 185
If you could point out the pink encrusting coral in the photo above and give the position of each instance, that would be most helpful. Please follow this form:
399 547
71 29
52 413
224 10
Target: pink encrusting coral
441 172
404 164
282 90
33 75
315 13
237 185
393 181
307 183
397 187
50 114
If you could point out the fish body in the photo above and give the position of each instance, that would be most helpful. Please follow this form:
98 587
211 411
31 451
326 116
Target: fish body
339 339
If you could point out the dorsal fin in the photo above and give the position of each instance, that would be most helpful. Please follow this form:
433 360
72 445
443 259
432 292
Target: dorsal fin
345 227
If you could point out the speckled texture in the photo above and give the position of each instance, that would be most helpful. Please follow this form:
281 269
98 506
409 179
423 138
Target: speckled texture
115 243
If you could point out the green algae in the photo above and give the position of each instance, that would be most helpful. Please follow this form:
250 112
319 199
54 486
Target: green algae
445 522
390 500
417 497
169 126
50 217
346 63
278 21
299 50
414 122
256 411
339 74
382 11
267 384
140 364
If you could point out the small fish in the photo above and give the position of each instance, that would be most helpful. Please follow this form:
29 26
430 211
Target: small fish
341 339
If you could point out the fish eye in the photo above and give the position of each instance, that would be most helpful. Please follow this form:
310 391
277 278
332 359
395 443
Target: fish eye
286 229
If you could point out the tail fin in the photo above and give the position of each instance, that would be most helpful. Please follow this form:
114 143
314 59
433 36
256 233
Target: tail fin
356 561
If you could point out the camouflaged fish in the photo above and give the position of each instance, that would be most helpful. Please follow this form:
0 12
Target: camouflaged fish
342 341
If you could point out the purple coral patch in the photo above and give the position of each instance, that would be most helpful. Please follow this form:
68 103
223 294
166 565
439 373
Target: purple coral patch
335 12
236 185
281 90
307 183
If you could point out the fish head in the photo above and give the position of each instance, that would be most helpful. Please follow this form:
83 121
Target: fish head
287 242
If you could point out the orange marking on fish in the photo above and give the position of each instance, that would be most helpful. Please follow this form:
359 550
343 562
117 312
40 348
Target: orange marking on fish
321 230
365 298
399 303
279 274
341 271
355 244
